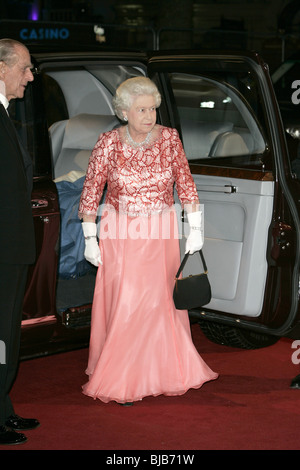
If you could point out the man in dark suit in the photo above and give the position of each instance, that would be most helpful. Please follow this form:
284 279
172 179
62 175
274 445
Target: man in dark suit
17 244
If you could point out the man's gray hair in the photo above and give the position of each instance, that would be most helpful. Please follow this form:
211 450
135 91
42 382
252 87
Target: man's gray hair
8 50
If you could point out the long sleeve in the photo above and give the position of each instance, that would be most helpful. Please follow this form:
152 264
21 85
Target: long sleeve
96 177
184 182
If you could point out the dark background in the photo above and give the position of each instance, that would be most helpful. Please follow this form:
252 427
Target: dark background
271 27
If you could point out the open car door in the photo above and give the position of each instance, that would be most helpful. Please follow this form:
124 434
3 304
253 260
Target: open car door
225 110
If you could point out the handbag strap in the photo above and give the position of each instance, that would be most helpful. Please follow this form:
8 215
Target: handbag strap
185 260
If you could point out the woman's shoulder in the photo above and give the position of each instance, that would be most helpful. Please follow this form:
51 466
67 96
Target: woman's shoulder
109 136
113 133
168 133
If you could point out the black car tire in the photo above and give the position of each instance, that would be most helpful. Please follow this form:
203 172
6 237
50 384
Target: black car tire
235 337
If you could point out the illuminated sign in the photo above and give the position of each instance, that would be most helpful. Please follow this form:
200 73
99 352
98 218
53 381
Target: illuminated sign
61 33
44 33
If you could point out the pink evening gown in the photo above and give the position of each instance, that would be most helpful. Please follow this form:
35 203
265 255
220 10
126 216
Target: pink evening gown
140 345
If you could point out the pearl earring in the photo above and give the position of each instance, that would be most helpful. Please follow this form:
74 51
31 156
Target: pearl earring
125 118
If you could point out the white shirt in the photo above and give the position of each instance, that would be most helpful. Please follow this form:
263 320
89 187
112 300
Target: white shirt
4 101
3 98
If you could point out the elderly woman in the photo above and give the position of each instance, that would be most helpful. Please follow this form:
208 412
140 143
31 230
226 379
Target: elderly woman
140 345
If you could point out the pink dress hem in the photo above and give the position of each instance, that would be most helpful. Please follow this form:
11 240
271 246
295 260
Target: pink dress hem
153 394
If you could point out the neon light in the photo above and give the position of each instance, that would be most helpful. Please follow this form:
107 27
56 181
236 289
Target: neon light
34 13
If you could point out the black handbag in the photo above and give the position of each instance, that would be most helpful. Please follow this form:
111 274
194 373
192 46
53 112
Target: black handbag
191 291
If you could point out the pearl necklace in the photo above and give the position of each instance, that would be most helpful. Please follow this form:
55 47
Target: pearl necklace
138 144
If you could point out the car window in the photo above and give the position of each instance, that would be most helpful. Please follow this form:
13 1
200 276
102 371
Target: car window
59 92
78 107
82 88
216 120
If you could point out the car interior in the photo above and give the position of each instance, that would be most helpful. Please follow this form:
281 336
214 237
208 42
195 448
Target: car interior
218 124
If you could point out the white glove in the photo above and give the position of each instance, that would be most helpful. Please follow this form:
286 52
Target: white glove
195 240
92 250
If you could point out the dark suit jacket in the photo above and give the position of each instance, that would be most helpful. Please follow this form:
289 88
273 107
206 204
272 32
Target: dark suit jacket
17 245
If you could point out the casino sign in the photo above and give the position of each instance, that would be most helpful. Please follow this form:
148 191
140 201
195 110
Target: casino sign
45 32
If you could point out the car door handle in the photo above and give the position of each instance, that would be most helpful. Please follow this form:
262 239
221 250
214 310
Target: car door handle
227 188
38 203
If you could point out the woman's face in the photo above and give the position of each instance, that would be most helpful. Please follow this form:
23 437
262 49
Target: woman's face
141 115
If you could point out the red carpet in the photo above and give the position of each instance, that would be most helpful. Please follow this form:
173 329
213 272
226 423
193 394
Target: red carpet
250 406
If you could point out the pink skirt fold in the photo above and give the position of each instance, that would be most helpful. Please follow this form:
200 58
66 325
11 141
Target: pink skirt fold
140 345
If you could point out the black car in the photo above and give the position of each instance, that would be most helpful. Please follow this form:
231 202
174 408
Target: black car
226 112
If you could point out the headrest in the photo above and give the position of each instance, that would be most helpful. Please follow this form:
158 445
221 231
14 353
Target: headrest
83 130
199 136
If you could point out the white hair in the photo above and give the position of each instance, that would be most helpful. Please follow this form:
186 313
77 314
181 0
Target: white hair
9 50
129 90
